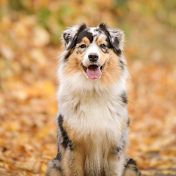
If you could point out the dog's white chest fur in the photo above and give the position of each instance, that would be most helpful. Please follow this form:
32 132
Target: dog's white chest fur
98 117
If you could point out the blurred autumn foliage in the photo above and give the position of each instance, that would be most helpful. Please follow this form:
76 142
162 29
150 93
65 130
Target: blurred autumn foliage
30 33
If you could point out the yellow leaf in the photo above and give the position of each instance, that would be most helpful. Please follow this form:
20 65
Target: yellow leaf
44 167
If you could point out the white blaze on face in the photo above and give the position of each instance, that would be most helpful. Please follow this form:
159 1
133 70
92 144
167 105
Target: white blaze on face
93 69
93 48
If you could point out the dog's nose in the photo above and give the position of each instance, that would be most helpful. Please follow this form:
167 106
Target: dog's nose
93 57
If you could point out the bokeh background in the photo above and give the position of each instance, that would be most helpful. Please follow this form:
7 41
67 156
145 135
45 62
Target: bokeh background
30 44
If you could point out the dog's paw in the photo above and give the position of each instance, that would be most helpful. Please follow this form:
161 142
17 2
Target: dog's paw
131 169
54 168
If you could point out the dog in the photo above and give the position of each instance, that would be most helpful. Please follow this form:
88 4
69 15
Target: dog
92 121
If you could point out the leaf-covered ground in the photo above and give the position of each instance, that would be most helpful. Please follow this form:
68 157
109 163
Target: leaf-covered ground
28 87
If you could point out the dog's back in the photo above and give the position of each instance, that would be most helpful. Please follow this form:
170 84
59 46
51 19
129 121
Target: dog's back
93 120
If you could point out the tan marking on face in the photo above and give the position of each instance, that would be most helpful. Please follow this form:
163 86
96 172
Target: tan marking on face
76 58
74 63
101 39
85 40
112 70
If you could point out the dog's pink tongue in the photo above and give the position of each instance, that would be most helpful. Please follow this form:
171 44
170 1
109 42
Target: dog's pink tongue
93 73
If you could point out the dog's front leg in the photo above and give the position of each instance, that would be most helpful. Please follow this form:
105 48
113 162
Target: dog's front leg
54 166
131 169
51 171
121 165
112 165
116 162
67 163
76 162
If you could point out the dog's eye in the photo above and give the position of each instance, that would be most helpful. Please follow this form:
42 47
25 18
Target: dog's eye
83 46
102 46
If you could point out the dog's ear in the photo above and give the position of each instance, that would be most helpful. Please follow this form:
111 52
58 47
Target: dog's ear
116 37
70 35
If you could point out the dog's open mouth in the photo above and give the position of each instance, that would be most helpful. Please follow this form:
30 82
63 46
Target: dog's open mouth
93 71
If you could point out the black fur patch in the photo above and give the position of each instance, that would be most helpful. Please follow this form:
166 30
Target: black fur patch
130 161
122 65
113 44
83 34
56 161
128 122
103 27
66 141
68 38
68 54
116 43
118 149
82 27
136 169
124 97
58 157
118 52
73 42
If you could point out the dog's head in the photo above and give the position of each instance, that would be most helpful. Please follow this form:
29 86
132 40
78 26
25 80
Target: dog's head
96 52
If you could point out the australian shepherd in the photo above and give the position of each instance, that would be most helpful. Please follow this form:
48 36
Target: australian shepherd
92 122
